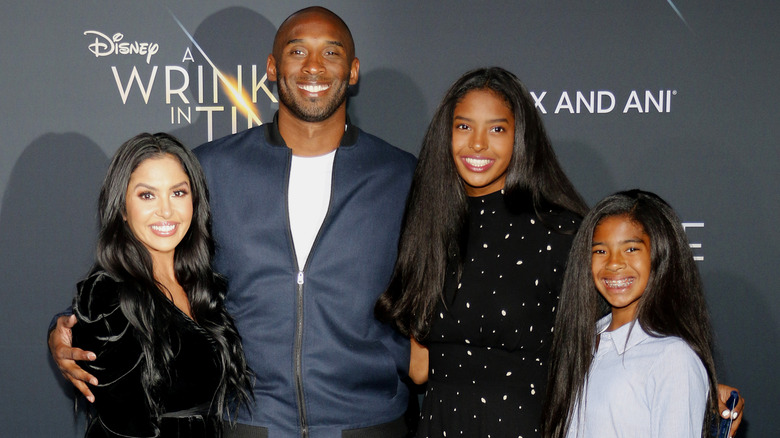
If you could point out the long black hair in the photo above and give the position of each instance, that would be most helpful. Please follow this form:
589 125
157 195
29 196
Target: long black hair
437 206
125 258
673 303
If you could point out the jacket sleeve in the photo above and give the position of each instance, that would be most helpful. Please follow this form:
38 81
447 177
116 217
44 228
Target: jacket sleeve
120 400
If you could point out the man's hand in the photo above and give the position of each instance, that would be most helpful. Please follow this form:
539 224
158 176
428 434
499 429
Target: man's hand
65 356
736 414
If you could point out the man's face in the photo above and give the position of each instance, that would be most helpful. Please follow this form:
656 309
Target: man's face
313 64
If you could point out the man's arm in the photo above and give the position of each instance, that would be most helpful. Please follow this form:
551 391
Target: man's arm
65 356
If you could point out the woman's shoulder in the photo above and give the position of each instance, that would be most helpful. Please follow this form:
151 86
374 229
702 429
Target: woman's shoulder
97 308
97 296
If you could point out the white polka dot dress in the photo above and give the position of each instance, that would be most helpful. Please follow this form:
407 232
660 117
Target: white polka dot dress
490 338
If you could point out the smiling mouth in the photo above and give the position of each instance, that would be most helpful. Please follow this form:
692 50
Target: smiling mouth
315 88
619 284
164 229
477 164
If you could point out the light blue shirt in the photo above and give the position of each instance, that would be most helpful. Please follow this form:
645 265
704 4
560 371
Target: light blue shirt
641 387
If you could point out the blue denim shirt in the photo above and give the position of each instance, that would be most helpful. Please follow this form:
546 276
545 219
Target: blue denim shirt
641 386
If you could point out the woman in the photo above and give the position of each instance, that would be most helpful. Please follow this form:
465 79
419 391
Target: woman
169 359
488 226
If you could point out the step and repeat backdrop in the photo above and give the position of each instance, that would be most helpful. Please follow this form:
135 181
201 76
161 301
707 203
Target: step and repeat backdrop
679 97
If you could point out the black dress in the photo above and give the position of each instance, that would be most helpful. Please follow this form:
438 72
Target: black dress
490 338
120 405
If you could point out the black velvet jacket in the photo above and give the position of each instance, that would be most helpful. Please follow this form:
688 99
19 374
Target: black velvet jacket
121 407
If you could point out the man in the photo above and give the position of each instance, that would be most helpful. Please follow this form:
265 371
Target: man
306 213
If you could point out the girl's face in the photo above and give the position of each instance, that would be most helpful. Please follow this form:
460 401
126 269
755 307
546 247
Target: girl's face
620 262
158 204
483 137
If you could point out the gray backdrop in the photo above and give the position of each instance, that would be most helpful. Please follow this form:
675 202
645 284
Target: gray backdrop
688 108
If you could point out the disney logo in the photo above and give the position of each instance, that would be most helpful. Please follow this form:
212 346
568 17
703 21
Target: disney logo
105 46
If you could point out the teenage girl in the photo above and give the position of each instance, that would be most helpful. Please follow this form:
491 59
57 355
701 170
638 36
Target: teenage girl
488 226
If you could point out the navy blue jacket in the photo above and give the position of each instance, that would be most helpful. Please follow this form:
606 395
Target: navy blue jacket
323 363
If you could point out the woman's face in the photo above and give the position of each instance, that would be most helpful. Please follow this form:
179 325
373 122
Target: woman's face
158 204
620 263
483 137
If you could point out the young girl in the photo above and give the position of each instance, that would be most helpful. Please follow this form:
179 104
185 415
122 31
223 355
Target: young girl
648 371
488 226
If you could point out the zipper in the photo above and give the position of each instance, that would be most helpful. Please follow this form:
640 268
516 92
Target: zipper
299 355
299 282
298 335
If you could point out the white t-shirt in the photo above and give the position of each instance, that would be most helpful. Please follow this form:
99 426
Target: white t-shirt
308 198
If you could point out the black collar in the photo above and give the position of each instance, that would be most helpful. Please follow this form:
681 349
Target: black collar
275 138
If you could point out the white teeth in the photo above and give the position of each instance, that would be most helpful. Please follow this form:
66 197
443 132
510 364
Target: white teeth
314 88
623 282
163 228
478 162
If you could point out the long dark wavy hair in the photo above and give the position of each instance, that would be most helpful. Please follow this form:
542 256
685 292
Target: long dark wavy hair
437 208
673 303
125 258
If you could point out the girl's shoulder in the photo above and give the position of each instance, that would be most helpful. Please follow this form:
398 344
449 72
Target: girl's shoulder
674 354
673 345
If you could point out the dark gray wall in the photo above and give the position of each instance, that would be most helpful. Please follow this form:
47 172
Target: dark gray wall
711 150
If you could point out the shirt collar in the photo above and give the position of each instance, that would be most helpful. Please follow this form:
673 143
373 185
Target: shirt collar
620 337
275 138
